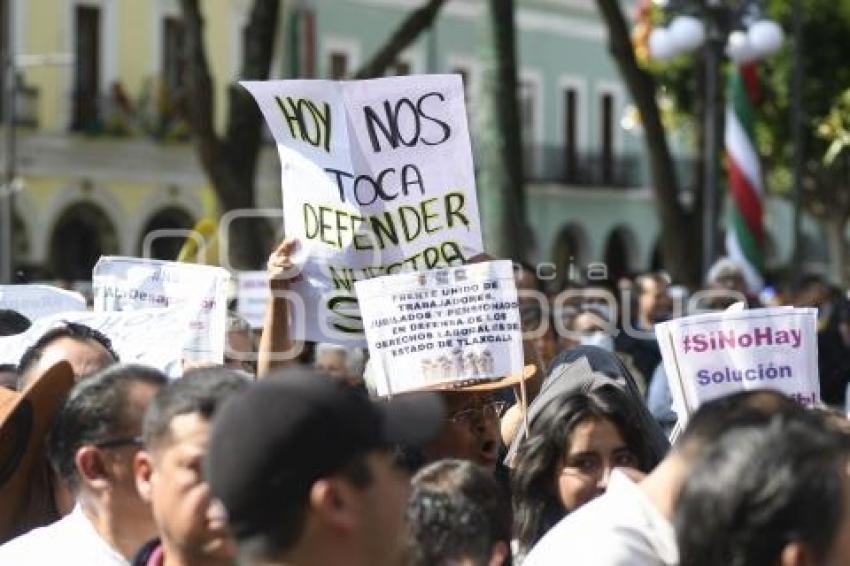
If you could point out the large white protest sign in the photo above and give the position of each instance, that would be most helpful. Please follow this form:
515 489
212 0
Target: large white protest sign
454 326
252 296
37 301
129 283
711 355
377 178
152 337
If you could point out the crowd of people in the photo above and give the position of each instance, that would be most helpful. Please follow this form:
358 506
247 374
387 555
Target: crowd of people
276 459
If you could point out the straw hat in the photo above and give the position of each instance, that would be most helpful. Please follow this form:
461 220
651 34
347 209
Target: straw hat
486 385
25 418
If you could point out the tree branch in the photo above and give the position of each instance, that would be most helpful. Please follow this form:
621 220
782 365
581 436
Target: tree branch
199 83
244 120
672 215
409 30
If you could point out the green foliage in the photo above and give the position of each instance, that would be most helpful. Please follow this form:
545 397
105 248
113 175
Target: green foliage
836 128
826 72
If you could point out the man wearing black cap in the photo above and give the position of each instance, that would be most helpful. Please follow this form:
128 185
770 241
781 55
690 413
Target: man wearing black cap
304 467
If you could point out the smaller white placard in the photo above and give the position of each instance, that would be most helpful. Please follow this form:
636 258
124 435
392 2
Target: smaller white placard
440 327
711 355
37 301
131 283
252 296
152 337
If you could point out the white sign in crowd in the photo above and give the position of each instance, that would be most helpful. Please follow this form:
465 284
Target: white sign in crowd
153 337
37 301
252 296
452 326
711 355
377 178
129 283
378 185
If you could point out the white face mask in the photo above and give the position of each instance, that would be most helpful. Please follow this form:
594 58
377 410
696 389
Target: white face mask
599 339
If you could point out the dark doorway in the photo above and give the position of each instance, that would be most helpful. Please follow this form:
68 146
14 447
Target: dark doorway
657 258
568 255
166 247
617 251
82 234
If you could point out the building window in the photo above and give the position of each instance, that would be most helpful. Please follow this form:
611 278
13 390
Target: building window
528 123
86 67
607 137
570 133
173 61
4 14
338 65
302 43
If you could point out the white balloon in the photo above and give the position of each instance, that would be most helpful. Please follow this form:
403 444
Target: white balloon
661 45
739 49
765 37
687 33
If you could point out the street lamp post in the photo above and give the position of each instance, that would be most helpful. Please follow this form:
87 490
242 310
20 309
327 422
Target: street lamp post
738 28
712 136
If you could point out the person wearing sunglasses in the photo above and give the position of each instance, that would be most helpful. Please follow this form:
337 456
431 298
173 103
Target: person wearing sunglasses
91 446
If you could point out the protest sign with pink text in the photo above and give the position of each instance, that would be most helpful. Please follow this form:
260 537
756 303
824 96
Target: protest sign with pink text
711 355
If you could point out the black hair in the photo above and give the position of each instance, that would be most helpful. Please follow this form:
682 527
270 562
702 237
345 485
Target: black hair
74 330
283 532
12 322
537 507
98 409
640 282
12 382
760 488
745 408
457 511
522 265
199 391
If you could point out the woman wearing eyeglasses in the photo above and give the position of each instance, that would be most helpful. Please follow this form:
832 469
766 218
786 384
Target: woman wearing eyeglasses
573 445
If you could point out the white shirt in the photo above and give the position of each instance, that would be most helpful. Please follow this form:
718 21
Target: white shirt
72 540
620 528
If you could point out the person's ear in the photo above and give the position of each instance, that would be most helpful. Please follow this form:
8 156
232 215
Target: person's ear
796 554
91 468
334 504
499 554
143 471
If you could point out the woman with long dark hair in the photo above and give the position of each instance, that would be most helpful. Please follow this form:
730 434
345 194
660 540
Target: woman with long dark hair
573 444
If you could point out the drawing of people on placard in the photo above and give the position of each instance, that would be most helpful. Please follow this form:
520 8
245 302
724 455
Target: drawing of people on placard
486 364
446 366
457 358
430 370
470 365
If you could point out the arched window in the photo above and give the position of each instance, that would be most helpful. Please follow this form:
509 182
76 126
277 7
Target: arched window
82 234
165 246
620 253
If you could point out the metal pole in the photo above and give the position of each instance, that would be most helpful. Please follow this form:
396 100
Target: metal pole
6 196
797 133
714 44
